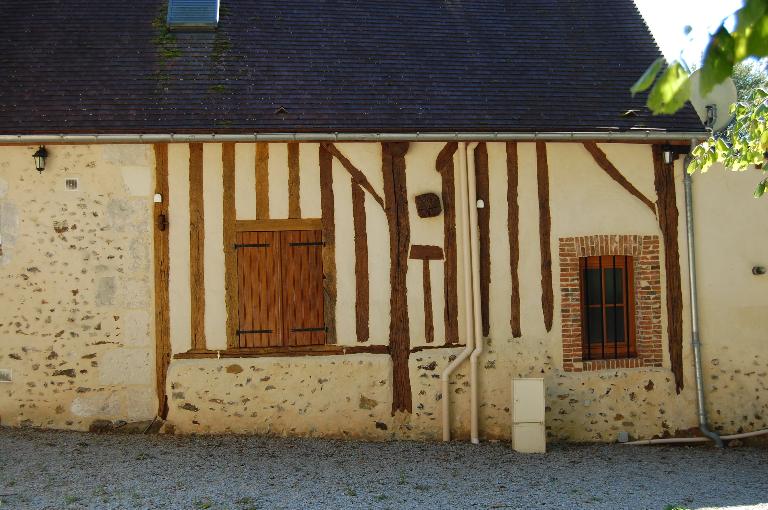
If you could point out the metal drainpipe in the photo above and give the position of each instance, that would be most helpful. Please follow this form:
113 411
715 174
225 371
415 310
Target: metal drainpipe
695 307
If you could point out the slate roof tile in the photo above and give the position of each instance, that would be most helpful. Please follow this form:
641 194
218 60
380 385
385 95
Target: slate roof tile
344 65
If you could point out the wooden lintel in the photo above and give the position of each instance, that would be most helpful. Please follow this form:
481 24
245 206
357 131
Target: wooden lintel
278 225
263 352
603 162
432 347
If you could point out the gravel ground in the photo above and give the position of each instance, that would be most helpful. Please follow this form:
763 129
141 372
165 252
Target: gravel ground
63 470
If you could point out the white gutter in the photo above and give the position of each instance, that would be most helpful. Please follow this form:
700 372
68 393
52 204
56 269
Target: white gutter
638 135
474 244
466 270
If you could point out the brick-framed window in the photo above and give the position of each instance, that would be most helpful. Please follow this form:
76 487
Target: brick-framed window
644 287
607 307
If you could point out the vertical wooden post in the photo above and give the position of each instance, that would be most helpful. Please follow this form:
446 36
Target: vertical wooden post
545 232
197 245
329 237
396 209
666 205
361 263
294 181
513 225
484 228
444 166
162 263
262 180
429 322
230 257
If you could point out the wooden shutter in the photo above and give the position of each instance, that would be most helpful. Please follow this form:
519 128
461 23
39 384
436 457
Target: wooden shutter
302 287
258 275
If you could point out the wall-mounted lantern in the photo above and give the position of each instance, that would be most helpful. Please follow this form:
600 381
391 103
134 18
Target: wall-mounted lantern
39 157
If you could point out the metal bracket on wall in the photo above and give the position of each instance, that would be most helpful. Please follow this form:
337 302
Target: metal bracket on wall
259 245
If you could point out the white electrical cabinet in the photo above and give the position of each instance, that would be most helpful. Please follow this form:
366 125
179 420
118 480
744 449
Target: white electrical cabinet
528 433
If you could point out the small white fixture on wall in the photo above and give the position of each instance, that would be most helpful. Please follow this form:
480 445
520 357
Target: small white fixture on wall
528 432
6 375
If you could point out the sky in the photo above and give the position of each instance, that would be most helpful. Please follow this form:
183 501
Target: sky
667 20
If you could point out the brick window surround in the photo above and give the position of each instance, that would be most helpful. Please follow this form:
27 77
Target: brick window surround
645 253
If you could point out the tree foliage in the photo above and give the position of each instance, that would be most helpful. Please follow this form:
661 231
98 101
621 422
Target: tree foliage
745 142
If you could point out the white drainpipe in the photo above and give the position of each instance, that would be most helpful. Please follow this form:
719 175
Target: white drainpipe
466 270
471 271
474 243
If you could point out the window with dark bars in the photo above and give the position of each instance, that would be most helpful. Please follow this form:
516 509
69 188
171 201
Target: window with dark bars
607 307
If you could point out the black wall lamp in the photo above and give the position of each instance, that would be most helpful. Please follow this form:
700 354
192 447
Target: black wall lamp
40 155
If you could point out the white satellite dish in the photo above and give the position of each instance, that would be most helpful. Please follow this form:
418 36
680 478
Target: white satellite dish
714 109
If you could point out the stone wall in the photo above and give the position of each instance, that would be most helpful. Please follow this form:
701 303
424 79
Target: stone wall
76 321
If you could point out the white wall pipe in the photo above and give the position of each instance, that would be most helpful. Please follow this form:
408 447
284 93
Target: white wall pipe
634 135
466 269
474 244
675 440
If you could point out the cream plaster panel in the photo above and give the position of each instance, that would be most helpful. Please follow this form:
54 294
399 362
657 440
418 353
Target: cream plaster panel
178 235
245 181
531 317
213 191
379 263
422 177
731 238
278 180
345 256
501 284
589 200
415 295
309 176
60 322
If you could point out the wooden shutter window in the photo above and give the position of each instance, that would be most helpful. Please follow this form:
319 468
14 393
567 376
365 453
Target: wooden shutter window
280 288
607 307
302 286
258 276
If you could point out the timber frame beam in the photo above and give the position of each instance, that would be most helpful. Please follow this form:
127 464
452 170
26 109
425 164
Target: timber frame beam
602 161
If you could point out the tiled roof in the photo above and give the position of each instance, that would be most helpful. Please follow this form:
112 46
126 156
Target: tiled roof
104 66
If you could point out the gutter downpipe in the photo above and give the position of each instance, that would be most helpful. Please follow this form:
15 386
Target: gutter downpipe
469 327
474 243
695 341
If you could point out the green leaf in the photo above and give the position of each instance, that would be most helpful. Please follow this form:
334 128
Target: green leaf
671 91
749 14
760 191
646 80
718 60
757 39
